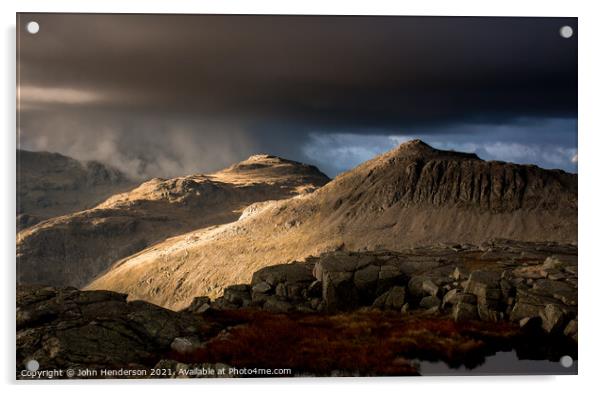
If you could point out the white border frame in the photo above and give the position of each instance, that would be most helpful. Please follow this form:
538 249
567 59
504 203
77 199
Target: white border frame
590 129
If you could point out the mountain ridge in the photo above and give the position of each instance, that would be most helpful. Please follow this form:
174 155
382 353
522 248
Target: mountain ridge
411 195
72 249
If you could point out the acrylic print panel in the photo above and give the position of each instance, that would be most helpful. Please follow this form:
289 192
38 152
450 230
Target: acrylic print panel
291 196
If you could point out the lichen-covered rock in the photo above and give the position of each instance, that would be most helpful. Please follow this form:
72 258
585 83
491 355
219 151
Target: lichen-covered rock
344 281
554 318
65 328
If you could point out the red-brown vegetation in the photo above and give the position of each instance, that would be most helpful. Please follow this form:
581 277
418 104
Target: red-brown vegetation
362 343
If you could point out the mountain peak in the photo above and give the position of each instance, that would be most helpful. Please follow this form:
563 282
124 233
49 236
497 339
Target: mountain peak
262 160
416 143
417 147
263 157
267 165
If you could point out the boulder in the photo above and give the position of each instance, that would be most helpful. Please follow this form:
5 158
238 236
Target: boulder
553 318
186 345
421 286
292 273
552 263
523 309
261 287
488 314
98 329
484 284
394 298
238 295
530 272
338 261
366 279
430 302
464 312
388 276
556 289
571 329
450 298
339 292
199 305
429 287
454 296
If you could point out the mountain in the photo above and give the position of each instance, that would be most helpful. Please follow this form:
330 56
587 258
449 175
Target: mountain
51 185
413 195
74 248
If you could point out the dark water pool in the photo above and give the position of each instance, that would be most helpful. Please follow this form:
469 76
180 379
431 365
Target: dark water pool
502 363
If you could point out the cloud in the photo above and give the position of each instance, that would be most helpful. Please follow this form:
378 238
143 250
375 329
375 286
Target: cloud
159 95
336 153
56 95
142 149
546 156
340 152
319 71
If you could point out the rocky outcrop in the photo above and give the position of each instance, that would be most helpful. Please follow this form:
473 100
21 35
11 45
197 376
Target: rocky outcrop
63 328
73 249
412 195
51 185
456 302
500 280
444 178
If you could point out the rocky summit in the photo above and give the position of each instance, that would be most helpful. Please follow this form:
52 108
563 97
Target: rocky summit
75 248
412 195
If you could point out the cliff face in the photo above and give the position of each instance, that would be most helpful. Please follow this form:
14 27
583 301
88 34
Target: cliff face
416 174
73 249
412 195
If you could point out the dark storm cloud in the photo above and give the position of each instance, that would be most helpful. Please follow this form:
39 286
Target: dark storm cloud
278 79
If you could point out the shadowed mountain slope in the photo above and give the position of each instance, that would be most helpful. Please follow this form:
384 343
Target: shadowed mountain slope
51 185
73 249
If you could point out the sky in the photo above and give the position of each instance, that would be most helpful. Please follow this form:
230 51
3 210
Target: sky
171 95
